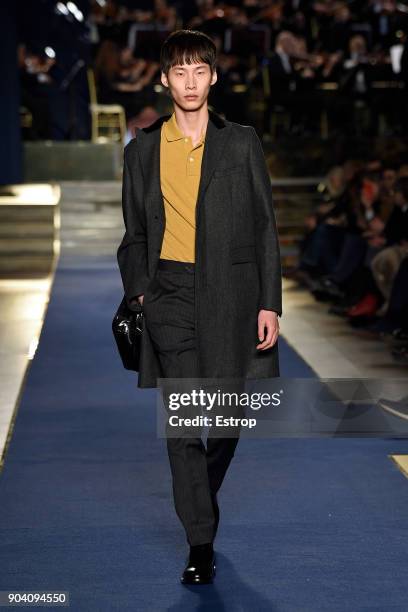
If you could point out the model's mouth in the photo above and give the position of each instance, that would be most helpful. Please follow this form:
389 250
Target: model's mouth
191 97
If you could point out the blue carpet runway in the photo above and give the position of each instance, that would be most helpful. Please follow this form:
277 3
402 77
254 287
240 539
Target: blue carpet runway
86 502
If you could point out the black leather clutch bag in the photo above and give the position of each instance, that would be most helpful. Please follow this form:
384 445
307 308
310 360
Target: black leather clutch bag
127 327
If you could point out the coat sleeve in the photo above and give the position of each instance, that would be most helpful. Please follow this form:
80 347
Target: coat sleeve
132 251
267 239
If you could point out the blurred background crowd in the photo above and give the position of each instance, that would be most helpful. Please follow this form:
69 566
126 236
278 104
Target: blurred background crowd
354 249
306 66
328 71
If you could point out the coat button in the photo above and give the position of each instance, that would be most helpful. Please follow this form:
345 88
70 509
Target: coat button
156 217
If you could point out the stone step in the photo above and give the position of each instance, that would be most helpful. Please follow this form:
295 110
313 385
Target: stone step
14 246
26 229
35 213
24 265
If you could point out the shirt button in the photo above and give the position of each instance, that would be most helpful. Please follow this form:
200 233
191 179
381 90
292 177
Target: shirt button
191 158
186 140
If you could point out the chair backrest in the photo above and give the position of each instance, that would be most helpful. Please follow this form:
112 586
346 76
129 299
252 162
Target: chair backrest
91 86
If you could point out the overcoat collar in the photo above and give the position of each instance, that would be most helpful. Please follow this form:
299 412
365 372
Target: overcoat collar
217 134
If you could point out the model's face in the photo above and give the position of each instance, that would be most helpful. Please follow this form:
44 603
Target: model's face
189 84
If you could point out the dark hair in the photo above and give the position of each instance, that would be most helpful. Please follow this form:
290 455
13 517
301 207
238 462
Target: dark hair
187 47
401 184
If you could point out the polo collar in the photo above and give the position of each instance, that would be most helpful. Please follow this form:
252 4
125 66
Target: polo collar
172 130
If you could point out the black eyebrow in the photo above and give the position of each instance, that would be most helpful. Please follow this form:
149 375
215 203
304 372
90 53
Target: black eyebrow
196 68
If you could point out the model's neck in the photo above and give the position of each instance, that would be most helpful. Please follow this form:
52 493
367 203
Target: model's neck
192 123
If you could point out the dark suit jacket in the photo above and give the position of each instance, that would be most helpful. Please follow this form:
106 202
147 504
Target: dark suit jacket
237 258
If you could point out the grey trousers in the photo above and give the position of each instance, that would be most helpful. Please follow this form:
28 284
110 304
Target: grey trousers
197 470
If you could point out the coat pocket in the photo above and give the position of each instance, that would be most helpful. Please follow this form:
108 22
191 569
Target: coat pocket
243 254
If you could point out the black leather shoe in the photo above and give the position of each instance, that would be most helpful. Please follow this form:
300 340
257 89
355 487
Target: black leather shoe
200 567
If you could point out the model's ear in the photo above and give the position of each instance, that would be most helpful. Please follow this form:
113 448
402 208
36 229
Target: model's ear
214 78
164 79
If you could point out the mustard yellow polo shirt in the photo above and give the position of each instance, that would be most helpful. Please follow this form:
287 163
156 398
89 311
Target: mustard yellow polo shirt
180 171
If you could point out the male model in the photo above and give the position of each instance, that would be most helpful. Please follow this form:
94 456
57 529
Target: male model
201 254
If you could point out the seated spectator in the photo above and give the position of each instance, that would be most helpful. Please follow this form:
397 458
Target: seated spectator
355 217
281 73
349 256
123 79
367 252
393 325
321 246
292 78
394 239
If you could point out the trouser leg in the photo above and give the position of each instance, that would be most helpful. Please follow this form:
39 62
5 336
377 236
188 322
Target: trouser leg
220 452
196 471
351 257
221 448
191 489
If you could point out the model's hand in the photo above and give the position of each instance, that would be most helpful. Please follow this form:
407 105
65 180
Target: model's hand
267 320
138 299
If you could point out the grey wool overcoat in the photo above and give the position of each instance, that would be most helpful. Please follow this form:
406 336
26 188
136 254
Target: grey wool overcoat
237 255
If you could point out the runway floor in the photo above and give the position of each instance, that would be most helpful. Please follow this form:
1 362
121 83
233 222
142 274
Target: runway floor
86 503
